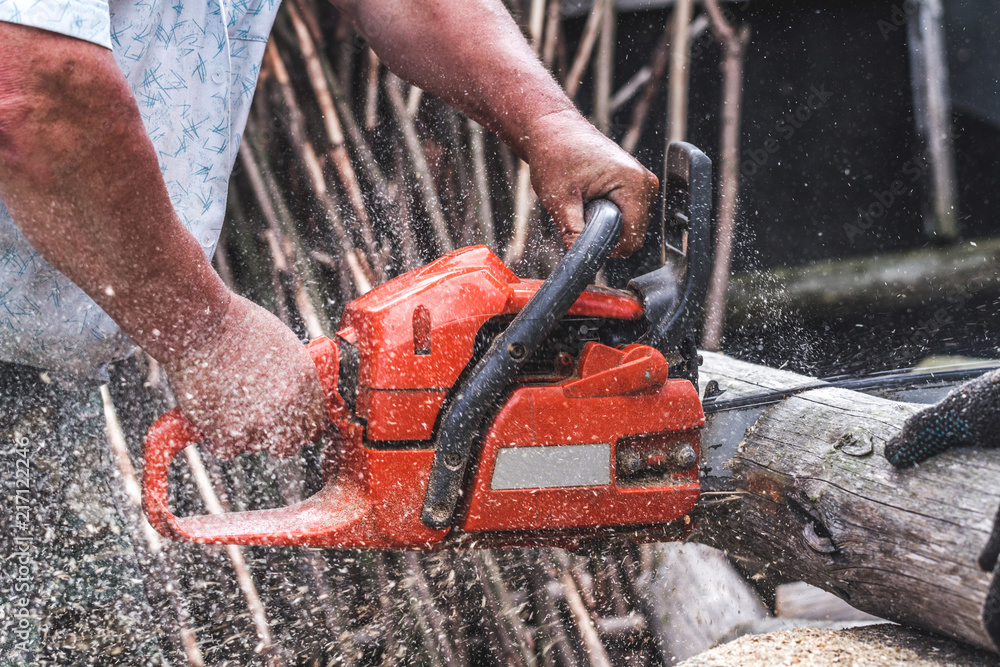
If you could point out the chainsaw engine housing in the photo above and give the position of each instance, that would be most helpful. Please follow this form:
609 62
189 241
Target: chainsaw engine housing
588 436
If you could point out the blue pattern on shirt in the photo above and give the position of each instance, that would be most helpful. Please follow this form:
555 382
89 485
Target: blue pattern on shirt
193 68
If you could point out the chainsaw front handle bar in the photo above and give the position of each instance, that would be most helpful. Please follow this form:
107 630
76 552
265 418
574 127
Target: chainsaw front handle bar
167 437
474 397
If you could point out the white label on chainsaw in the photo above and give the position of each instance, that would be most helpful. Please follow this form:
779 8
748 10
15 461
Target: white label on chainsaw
552 466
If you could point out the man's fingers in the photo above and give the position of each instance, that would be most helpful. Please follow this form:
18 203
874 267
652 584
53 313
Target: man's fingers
635 220
568 216
636 204
927 433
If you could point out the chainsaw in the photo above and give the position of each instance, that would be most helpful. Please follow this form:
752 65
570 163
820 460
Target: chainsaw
473 408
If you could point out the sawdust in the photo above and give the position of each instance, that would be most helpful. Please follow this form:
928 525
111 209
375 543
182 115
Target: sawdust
883 645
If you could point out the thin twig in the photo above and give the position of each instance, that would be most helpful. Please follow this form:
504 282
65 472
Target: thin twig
590 32
413 100
307 154
552 30
585 624
152 540
604 69
371 94
305 295
427 610
657 67
385 607
338 153
382 188
551 621
508 616
418 160
631 87
480 174
243 578
524 204
680 55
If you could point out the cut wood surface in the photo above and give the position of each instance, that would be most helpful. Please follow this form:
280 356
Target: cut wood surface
813 499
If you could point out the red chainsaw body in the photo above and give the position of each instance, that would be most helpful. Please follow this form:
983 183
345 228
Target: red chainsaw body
601 439
415 334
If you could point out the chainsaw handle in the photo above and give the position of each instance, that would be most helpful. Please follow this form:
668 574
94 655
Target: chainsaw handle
474 396
166 438
172 432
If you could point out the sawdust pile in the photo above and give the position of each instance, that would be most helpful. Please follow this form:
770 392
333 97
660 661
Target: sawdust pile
885 645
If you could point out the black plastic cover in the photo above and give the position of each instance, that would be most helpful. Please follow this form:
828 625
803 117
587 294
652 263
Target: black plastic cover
673 296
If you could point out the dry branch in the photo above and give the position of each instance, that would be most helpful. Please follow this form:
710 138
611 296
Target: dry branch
604 69
307 155
418 160
680 54
591 31
734 42
338 153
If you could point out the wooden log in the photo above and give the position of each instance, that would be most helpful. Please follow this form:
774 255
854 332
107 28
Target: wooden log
813 498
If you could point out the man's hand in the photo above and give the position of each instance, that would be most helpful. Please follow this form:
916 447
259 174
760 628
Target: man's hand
473 56
80 177
251 385
572 163
968 416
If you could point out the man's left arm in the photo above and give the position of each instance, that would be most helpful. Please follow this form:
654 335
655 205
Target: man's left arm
473 56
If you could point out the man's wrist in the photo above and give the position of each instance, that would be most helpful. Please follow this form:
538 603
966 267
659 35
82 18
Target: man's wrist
546 129
179 309
183 336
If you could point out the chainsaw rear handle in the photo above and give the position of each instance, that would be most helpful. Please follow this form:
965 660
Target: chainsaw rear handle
673 308
474 397
167 437
172 432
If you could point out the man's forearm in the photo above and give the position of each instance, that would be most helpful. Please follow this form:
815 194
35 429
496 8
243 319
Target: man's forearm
81 179
470 53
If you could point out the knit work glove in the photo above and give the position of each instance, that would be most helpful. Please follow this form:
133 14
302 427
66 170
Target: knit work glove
969 416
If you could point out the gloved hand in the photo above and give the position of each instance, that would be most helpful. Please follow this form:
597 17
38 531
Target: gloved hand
968 416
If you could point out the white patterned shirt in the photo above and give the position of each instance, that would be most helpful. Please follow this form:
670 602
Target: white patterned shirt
192 67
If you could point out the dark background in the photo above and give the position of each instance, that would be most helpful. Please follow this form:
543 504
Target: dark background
795 202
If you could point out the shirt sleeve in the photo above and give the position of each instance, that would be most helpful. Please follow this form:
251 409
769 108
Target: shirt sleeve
89 20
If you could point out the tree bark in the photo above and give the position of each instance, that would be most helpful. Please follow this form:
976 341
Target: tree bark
809 494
